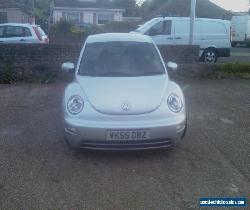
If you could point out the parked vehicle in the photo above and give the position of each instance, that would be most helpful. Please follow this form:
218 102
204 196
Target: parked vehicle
241 30
22 33
121 97
212 35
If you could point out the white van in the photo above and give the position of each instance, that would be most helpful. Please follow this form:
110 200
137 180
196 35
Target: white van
241 30
212 35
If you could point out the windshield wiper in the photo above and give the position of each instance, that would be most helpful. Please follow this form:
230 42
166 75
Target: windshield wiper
110 74
150 73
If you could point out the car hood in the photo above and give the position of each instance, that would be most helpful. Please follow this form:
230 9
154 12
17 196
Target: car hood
124 96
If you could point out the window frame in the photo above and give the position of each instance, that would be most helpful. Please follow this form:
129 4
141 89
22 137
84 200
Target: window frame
164 23
23 28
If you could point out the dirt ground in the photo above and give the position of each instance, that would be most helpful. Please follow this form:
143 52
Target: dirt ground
39 171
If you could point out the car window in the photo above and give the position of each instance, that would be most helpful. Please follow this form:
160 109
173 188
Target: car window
41 31
161 28
1 31
14 31
119 59
26 32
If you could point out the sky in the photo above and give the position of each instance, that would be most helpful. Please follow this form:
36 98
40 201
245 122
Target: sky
234 5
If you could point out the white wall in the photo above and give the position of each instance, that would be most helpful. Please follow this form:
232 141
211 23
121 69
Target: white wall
88 16
57 16
118 16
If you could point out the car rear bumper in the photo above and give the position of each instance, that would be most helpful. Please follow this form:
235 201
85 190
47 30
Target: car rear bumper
162 136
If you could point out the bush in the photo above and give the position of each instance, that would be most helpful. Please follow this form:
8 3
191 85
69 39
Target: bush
66 27
7 74
123 27
93 29
62 27
232 70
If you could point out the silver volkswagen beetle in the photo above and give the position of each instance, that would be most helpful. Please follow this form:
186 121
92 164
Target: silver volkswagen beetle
121 97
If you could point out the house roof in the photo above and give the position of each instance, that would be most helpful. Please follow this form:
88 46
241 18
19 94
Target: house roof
204 8
84 4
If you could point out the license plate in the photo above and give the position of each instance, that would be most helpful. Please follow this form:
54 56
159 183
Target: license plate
128 134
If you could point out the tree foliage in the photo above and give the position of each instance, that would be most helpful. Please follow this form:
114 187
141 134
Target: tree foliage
132 9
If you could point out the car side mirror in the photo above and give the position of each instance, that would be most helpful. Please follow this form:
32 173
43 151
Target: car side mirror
68 67
172 66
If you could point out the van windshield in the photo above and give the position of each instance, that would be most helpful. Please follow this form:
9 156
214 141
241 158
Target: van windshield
146 25
120 59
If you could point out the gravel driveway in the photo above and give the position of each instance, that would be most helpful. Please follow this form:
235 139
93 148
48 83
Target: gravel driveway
38 171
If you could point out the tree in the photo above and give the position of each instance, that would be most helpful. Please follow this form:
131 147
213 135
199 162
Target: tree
132 9
42 12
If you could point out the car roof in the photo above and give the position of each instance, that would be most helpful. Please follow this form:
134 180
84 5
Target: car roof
188 18
122 37
18 24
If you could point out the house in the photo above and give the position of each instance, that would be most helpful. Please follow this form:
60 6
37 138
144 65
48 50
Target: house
82 12
12 11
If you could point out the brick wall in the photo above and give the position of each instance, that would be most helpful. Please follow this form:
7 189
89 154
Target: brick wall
31 59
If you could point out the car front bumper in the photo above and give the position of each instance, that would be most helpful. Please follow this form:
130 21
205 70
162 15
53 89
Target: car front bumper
86 135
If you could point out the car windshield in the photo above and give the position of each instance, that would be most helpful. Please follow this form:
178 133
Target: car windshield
120 59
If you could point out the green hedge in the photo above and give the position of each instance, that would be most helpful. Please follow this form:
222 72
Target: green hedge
65 27
232 70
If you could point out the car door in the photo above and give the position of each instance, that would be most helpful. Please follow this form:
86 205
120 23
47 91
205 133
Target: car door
162 33
16 34
182 30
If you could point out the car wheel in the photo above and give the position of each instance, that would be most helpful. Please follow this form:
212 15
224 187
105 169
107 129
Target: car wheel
71 146
185 130
210 56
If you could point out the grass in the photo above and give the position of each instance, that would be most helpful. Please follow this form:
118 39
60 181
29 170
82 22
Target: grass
232 70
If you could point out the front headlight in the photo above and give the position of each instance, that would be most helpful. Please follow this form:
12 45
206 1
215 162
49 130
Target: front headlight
175 103
75 105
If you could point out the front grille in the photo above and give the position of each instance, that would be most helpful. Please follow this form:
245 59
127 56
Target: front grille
127 145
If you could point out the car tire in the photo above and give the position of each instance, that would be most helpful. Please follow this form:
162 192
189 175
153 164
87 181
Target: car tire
70 146
185 130
210 56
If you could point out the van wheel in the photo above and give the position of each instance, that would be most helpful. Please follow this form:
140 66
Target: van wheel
210 56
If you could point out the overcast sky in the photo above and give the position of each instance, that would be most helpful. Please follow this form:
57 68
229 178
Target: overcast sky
235 5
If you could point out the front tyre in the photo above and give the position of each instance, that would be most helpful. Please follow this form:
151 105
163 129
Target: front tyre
71 146
210 56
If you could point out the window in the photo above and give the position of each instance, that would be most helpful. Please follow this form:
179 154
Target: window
104 18
14 31
26 32
1 31
161 28
17 31
73 17
120 59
